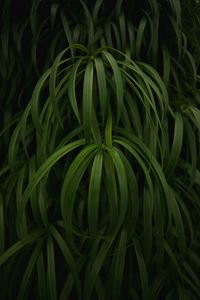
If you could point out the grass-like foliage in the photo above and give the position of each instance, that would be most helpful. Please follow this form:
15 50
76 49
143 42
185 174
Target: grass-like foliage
100 150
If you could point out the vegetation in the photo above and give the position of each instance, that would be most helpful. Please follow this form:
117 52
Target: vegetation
100 147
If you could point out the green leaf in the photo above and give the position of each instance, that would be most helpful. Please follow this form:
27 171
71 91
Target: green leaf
140 36
33 197
67 30
135 143
96 268
72 180
88 100
119 265
13 147
126 145
24 288
96 9
41 277
15 248
72 88
67 288
68 257
90 24
176 146
94 193
45 168
142 271
123 185
52 86
148 207
21 226
111 190
133 204
194 114
192 145
118 82
173 259
166 65
51 271
101 79
35 101
108 129
178 220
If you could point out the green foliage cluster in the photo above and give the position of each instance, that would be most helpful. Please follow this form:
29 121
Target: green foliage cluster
100 150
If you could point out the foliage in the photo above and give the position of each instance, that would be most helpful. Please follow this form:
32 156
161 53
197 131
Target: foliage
100 147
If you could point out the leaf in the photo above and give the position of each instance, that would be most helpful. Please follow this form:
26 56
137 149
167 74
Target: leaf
162 94
72 180
140 36
96 9
127 146
45 168
194 114
179 224
90 24
193 66
72 88
100 291
192 148
148 207
52 86
118 82
123 186
68 256
94 193
33 197
177 9
41 277
142 271
24 288
51 271
67 288
41 199
96 268
193 287
133 204
119 265
192 274
102 88
15 248
88 100
21 226
111 190
158 283
13 147
176 146
108 129
173 259
135 118
187 220
68 32
35 101
148 157
140 89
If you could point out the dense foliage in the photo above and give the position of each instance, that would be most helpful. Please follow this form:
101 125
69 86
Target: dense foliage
100 150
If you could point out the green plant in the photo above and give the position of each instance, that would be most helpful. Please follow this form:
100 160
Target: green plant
100 176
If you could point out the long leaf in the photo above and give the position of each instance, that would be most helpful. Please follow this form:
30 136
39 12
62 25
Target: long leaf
45 168
94 193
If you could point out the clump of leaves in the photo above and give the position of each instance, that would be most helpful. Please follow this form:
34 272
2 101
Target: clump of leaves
100 177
